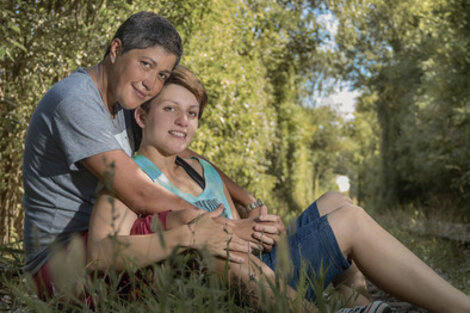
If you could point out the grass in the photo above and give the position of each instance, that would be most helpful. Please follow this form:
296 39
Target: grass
178 286
183 283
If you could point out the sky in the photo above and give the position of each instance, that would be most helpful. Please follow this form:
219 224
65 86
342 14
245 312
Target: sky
343 183
342 99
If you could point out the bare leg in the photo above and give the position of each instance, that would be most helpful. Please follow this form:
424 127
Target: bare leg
246 278
351 283
390 265
353 287
332 200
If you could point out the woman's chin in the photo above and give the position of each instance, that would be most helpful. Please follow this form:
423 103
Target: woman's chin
174 151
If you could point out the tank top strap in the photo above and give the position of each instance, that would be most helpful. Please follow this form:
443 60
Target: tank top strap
147 166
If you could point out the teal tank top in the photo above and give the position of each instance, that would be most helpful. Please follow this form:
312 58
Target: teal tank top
211 197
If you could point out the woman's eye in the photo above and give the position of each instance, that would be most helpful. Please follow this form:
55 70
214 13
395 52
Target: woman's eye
145 64
163 76
193 113
168 109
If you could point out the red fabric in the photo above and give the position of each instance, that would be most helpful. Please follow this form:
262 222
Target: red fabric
44 278
142 226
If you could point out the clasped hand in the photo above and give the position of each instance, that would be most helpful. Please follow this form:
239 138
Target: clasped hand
259 231
218 237
263 231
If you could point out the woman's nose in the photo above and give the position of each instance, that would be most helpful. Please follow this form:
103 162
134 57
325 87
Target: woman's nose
182 119
152 82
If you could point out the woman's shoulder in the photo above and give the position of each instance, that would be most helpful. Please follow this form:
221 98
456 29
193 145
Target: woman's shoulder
75 95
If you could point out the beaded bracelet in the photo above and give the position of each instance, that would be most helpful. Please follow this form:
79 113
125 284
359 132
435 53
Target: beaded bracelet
254 205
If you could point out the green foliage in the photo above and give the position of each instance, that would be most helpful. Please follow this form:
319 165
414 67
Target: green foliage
41 45
411 59
255 57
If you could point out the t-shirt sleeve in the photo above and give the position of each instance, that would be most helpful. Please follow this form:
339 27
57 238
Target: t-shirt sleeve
83 128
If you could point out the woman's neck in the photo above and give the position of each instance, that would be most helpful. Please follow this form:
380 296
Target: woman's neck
175 173
100 75
166 163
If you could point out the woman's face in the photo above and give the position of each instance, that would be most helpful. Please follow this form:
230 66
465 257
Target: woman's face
139 74
172 120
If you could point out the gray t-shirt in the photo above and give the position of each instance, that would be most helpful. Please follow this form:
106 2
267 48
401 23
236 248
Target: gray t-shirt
70 123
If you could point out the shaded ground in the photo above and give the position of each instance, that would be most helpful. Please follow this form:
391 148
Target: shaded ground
397 305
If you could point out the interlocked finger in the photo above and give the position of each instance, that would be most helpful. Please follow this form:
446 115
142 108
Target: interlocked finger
275 220
269 218
270 229
264 238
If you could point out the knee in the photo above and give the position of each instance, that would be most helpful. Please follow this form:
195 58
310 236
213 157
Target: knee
336 197
352 217
331 201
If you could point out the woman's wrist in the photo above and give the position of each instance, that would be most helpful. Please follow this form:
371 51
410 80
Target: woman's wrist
253 213
249 199
253 208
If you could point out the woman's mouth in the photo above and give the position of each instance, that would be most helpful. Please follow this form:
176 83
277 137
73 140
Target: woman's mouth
139 94
178 134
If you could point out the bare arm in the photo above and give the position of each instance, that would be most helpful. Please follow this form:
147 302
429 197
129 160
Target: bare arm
111 246
109 242
132 185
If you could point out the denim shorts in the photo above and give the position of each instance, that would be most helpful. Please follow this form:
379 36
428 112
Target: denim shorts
311 244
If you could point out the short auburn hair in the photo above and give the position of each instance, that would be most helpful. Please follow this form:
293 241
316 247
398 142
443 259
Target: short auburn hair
184 77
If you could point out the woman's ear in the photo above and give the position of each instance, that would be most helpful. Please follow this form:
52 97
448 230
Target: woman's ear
115 49
140 115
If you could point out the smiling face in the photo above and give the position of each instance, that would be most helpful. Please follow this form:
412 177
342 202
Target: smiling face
137 75
171 121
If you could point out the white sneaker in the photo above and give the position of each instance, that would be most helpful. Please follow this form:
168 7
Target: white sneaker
373 307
